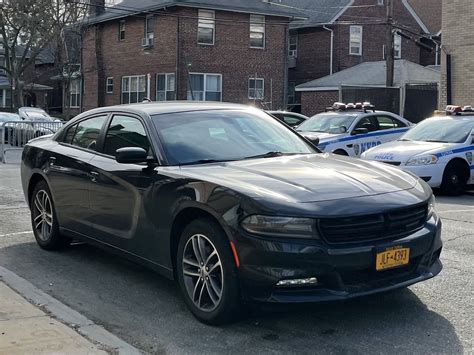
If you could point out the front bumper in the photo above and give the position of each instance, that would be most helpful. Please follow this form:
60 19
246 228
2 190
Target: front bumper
433 172
343 271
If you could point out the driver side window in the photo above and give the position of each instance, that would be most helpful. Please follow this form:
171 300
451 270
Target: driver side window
86 133
125 131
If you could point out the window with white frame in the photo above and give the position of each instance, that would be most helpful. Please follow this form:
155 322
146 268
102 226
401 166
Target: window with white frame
149 31
133 89
397 46
355 45
205 87
109 85
165 87
206 27
257 31
75 93
293 46
122 30
256 88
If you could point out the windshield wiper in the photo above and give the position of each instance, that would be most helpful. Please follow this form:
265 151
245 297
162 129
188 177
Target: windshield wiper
270 155
206 161
405 140
435 141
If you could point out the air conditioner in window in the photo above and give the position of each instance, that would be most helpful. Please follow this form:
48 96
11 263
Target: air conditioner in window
147 42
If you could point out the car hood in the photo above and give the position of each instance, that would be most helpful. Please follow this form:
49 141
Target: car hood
402 151
303 178
323 137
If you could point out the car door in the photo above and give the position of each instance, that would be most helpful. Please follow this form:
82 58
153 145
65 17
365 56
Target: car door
119 192
69 173
390 128
365 136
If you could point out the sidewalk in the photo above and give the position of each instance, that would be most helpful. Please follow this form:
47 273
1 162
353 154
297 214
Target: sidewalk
25 329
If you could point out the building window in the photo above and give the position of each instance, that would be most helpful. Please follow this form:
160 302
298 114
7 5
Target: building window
133 89
122 30
380 2
75 93
165 87
256 89
291 93
206 27
109 86
293 46
149 32
257 31
205 87
355 46
397 46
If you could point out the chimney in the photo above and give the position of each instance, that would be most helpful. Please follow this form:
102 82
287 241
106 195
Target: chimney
96 7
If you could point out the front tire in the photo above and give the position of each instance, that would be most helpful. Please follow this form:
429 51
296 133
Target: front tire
207 274
454 179
43 219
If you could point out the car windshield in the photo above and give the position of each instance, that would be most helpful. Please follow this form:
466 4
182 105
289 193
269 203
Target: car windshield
327 123
225 135
7 117
440 130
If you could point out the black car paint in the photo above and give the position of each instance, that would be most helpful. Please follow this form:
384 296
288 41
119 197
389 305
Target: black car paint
137 210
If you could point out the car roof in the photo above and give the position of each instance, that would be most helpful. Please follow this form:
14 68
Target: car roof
159 108
466 118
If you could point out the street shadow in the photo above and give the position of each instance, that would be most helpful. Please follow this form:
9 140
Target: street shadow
147 310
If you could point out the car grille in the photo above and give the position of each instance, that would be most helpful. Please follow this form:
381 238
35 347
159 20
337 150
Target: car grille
396 163
389 225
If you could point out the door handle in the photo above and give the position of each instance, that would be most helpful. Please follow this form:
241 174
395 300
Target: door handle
52 161
94 175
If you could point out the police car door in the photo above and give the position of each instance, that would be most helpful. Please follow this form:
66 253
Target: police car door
365 136
390 128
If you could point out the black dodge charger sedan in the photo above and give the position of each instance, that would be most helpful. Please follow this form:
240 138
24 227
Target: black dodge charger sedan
232 204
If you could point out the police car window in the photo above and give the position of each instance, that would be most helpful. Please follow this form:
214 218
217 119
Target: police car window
291 120
328 123
366 123
386 122
440 130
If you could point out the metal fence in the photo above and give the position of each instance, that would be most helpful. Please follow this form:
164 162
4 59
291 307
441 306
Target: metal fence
15 134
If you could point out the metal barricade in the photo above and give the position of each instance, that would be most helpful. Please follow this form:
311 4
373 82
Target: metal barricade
15 134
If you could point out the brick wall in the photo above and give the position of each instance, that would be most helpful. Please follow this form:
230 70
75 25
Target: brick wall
313 102
176 50
458 30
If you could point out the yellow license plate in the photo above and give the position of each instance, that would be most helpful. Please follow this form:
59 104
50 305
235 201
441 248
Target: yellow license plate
392 258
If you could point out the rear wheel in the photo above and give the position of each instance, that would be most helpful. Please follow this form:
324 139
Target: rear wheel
455 178
43 219
207 274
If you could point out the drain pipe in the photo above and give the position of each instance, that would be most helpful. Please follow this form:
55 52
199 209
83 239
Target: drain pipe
332 49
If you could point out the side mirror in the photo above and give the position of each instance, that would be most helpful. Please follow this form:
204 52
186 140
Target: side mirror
131 155
359 131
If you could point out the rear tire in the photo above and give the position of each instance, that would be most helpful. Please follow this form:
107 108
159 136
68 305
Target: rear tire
454 179
341 152
207 274
43 219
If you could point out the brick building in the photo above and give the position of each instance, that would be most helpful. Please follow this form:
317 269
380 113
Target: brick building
206 50
340 34
457 83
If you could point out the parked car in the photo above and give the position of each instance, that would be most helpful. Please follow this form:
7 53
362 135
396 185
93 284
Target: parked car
7 128
232 203
292 119
353 128
439 150
36 123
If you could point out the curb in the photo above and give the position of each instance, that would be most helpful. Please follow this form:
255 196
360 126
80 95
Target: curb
67 315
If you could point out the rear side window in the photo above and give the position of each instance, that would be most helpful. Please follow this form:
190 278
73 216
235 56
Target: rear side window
292 120
125 131
386 122
87 132
70 134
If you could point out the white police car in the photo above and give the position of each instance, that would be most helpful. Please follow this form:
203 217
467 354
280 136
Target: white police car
353 128
439 150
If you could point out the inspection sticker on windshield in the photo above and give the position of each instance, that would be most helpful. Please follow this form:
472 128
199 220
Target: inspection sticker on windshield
392 257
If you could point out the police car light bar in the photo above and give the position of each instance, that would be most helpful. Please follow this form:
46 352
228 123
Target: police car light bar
340 106
458 110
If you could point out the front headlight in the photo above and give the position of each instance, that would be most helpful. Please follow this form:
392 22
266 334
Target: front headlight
423 160
431 206
286 227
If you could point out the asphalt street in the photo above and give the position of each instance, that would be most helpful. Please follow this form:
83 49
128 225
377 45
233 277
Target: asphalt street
146 310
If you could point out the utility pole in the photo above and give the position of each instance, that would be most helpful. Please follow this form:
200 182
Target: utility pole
389 57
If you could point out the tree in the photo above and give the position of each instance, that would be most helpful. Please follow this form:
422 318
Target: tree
26 28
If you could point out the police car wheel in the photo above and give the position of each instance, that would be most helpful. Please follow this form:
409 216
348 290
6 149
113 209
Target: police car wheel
341 152
454 179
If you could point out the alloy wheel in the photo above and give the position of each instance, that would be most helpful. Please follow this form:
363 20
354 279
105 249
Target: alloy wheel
203 273
43 215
